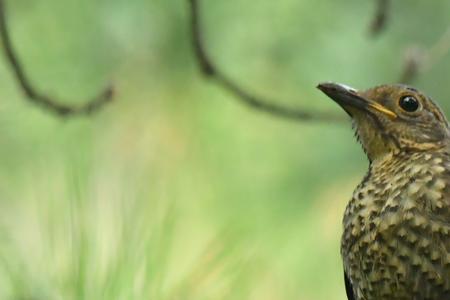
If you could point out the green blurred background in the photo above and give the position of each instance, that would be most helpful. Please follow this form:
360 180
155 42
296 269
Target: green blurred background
175 190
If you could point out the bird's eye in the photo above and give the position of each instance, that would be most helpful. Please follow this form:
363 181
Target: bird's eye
409 103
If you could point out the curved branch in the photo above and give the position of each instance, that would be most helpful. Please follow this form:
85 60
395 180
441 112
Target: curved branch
381 17
210 70
412 64
30 91
419 60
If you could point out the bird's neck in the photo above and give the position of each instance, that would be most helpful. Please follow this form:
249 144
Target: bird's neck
409 154
397 163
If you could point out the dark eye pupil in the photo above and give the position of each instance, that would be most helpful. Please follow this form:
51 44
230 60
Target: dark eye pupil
409 103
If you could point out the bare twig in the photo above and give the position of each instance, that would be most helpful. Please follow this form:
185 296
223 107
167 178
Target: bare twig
412 65
381 17
438 51
30 91
210 70
419 60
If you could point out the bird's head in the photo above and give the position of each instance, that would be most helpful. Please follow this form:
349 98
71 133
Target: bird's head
392 118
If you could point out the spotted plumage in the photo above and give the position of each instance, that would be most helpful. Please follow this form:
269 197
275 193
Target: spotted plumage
396 240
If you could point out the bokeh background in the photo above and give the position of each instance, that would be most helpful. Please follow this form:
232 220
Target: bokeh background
176 190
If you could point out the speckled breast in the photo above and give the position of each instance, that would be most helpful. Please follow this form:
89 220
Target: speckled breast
396 241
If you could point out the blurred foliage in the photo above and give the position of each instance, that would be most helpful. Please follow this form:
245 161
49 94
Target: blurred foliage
175 191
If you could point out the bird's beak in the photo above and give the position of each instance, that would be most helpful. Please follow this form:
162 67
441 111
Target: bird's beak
348 97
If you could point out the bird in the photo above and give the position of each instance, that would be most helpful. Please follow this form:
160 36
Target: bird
396 227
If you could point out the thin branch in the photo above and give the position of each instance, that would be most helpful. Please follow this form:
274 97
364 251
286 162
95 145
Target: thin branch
412 64
381 17
30 91
419 60
210 70
438 51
